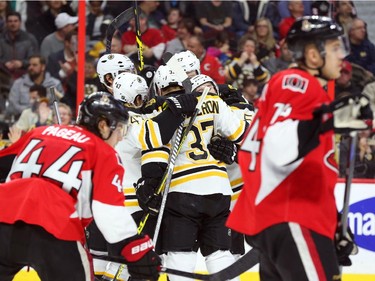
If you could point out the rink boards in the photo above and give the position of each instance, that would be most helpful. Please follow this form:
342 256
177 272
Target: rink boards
361 219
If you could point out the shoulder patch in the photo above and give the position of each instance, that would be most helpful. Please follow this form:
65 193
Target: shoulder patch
295 83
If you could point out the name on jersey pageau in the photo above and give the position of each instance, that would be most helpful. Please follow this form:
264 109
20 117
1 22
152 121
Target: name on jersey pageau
209 106
66 133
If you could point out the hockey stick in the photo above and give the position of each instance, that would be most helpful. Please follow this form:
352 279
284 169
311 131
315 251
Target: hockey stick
180 137
175 66
182 76
138 36
348 181
116 23
172 62
55 104
164 186
247 261
167 176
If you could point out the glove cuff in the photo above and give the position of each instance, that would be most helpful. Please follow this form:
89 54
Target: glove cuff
174 105
137 248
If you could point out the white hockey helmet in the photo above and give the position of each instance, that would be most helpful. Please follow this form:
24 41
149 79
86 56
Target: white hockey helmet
113 64
189 62
200 80
165 77
127 86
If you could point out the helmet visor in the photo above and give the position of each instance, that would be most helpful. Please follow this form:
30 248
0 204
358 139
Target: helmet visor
121 129
343 48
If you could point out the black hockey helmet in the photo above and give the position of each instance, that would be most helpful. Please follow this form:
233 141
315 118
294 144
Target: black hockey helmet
101 106
311 29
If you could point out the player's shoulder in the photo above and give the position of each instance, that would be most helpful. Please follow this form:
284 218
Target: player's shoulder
135 118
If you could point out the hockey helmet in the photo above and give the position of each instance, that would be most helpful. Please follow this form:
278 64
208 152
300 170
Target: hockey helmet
101 106
311 29
113 64
165 77
189 61
202 79
127 86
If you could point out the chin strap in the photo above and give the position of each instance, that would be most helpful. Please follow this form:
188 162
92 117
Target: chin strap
112 128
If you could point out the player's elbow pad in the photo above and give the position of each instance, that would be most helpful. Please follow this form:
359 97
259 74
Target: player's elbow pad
308 136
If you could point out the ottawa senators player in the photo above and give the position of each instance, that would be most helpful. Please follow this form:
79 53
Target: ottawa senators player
287 206
62 178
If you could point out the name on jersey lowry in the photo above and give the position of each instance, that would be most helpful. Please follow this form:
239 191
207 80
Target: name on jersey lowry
66 133
209 107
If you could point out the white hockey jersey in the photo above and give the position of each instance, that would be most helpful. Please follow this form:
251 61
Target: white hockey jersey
143 134
196 171
233 170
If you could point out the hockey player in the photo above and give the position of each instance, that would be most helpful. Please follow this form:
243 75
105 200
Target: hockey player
108 67
287 206
57 184
111 65
225 150
132 90
155 162
199 195
156 132
189 62
221 148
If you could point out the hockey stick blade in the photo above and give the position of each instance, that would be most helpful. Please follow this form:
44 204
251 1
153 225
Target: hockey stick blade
172 62
116 23
55 104
247 261
166 57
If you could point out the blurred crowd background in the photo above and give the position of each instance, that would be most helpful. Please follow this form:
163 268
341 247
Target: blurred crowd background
238 42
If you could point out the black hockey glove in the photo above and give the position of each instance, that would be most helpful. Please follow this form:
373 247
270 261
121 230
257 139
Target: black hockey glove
142 261
350 113
230 94
182 104
222 149
345 246
148 200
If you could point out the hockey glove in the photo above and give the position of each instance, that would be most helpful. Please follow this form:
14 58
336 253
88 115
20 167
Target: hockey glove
182 104
230 94
350 113
148 73
222 149
142 261
345 246
148 200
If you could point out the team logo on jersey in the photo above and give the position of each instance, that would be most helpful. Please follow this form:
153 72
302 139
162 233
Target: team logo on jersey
295 83
207 67
330 161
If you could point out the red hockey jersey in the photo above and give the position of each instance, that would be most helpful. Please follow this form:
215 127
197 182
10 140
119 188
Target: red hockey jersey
279 185
212 67
63 176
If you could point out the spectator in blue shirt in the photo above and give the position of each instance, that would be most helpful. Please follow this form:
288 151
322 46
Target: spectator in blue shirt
362 50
